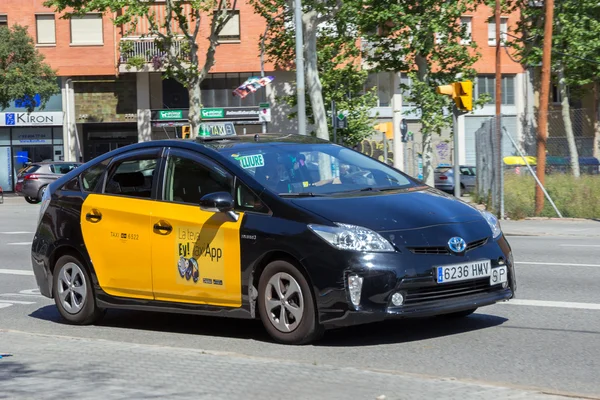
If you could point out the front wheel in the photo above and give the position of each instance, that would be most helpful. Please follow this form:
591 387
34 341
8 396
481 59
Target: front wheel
72 290
31 200
286 306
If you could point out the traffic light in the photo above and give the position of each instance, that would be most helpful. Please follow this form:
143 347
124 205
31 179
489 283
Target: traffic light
185 132
387 128
461 93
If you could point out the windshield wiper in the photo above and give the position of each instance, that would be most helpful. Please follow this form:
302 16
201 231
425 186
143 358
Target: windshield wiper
301 194
372 189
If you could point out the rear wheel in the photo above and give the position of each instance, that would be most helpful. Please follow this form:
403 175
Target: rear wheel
286 305
41 193
31 200
72 290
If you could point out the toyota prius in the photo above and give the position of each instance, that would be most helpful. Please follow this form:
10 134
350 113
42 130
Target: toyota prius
298 232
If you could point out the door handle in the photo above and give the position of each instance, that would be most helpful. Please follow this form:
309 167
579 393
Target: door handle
93 216
162 228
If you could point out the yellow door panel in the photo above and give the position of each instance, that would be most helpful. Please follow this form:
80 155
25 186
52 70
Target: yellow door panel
117 232
198 260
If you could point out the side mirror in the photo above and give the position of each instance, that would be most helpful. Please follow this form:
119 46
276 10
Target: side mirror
219 202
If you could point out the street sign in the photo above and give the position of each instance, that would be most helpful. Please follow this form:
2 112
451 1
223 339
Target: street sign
341 121
264 112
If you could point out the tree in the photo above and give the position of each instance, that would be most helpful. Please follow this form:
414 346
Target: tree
176 35
23 73
426 40
333 70
575 52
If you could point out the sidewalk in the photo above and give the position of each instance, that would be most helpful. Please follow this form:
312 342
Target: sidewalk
551 227
45 366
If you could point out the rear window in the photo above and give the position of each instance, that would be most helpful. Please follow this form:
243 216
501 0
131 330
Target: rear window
441 170
62 168
31 169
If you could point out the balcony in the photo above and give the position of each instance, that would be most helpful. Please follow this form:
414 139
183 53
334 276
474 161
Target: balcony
144 54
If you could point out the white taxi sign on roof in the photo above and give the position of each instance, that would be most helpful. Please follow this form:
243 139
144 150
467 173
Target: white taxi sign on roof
218 129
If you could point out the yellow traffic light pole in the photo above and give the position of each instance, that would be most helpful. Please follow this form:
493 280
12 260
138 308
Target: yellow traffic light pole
462 95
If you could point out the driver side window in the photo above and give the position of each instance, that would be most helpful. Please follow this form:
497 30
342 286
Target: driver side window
187 181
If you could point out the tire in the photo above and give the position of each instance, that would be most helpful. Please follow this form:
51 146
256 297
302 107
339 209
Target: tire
460 314
76 306
31 200
302 329
41 193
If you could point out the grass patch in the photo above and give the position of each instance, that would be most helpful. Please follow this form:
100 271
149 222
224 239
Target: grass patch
574 198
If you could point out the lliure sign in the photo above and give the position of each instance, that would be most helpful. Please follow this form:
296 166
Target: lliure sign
31 119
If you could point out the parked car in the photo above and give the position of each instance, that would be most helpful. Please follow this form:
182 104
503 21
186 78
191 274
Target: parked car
444 178
33 179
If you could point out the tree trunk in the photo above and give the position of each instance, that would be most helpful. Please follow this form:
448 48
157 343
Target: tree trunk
315 89
313 82
428 178
195 95
566 114
596 150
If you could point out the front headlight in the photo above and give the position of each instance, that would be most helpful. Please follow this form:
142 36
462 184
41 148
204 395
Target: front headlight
351 237
493 223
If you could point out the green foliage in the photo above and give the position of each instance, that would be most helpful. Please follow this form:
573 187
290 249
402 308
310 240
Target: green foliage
571 196
23 73
342 77
575 39
422 39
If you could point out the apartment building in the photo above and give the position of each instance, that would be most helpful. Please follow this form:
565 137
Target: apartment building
103 105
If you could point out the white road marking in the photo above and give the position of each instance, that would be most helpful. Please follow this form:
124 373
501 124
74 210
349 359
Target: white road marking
20 294
580 245
16 302
557 304
5 305
559 264
19 244
16 233
15 272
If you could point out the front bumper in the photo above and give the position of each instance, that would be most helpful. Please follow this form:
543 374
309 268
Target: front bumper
413 276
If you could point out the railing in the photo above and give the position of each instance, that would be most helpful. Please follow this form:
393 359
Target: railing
145 49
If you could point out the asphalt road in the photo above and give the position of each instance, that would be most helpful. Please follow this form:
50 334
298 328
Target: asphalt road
547 339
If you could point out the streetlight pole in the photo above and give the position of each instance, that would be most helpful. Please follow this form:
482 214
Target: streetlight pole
300 88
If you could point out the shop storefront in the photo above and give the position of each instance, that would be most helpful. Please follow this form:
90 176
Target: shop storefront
167 124
26 138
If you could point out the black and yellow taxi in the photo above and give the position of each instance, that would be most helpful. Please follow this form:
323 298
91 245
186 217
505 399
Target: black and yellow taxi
299 232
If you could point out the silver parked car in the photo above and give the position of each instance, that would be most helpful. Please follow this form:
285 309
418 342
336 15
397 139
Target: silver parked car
33 179
444 178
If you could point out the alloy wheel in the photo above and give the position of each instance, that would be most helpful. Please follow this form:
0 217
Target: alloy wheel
72 289
284 302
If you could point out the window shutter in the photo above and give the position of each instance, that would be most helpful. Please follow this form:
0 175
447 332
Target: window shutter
46 32
87 29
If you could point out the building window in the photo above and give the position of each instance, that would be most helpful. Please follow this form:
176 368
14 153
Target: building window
383 82
466 22
492 31
487 84
231 29
46 31
3 20
87 30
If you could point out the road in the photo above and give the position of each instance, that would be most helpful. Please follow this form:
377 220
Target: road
547 340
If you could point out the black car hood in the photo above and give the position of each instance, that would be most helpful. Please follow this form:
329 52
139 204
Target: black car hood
392 211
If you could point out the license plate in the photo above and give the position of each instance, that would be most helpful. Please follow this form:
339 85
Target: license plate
499 275
467 271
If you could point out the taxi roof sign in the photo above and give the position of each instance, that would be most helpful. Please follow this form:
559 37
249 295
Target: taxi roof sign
216 130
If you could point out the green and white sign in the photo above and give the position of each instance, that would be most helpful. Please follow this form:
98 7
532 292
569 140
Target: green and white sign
252 161
170 114
212 113
216 129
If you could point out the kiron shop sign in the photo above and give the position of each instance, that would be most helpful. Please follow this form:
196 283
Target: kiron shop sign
31 119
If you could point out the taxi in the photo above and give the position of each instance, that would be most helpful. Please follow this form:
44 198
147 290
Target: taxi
298 232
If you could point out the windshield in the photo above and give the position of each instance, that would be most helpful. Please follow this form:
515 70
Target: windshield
315 169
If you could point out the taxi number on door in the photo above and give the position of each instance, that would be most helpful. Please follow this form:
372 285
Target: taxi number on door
472 270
